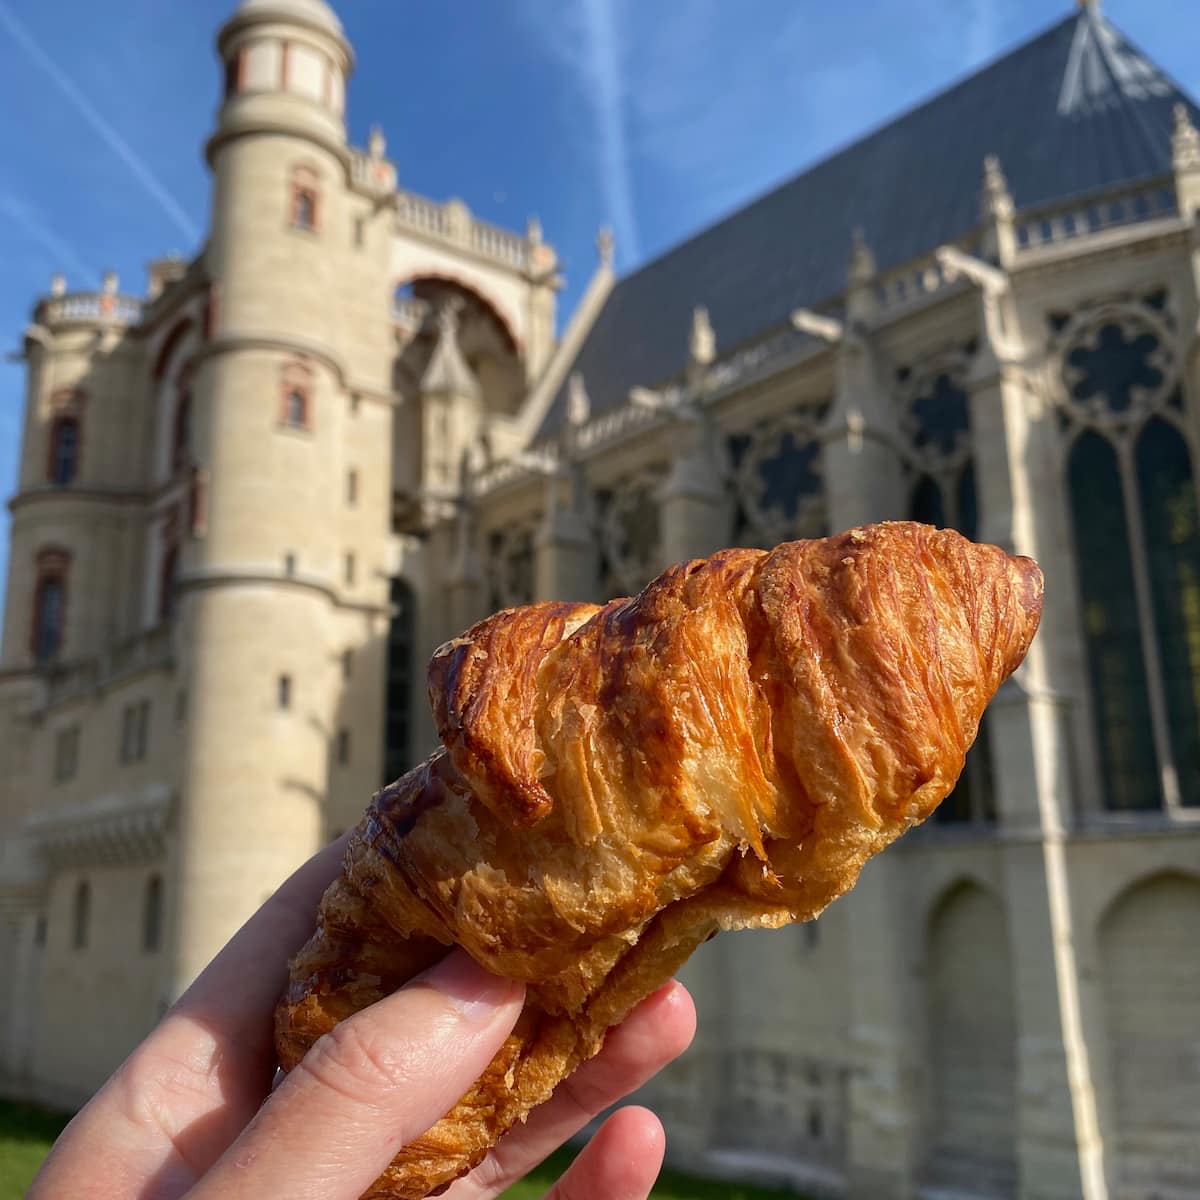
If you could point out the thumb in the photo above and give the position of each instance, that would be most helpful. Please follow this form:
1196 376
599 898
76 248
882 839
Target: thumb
370 1086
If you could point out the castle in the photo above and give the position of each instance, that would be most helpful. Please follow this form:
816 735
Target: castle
251 502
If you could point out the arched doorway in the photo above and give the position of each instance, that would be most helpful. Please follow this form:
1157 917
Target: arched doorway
1150 955
973 1046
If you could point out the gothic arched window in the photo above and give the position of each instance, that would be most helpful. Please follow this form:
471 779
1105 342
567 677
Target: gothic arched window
935 418
1110 625
1132 499
1172 532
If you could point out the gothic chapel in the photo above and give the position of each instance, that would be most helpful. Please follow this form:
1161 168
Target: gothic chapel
253 500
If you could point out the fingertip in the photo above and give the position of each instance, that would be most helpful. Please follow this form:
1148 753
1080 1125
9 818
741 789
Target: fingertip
641 1132
674 1015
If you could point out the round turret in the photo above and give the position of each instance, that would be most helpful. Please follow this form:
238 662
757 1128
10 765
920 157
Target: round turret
286 63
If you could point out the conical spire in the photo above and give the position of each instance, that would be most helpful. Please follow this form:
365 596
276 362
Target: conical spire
447 373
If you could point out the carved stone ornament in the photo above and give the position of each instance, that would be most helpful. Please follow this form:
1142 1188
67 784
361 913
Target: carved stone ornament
509 565
630 531
1117 363
935 434
778 477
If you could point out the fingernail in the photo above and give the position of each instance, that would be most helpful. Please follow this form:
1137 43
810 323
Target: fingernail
471 990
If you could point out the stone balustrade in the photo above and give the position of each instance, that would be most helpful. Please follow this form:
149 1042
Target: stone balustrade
453 222
104 307
1146 202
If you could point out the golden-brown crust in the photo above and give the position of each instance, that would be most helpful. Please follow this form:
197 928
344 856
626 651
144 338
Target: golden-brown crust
724 750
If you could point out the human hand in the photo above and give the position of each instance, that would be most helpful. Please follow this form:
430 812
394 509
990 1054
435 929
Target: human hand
184 1115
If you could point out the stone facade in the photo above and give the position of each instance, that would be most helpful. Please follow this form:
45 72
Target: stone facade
251 503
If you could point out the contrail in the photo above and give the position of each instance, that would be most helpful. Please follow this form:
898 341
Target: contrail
64 255
604 89
115 142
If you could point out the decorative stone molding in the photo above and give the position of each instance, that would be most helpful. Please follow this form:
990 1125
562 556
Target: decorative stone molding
111 830
1144 319
766 515
509 563
630 530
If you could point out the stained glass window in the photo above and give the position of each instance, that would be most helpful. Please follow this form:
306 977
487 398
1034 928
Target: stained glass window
1111 629
1172 533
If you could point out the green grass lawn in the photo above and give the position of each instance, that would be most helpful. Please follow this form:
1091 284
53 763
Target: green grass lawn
26 1135
671 1185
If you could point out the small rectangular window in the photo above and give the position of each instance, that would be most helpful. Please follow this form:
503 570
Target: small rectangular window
343 747
347 663
351 566
285 691
351 487
360 231
289 564
66 753
135 731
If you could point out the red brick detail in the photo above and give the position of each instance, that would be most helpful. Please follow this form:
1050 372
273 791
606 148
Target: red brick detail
59 428
304 206
295 409
181 437
66 406
52 567
170 345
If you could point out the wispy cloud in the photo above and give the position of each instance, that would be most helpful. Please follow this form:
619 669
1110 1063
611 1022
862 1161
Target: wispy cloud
983 34
63 254
137 166
605 93
586 42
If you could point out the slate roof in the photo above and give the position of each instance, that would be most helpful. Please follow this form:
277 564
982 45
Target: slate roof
1074 110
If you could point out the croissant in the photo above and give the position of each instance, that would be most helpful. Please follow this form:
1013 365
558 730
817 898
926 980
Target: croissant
615 784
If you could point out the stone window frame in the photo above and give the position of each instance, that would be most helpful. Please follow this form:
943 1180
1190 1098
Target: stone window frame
152 914
296 381
304 183
81 915
66 753
51 565
135 732
1151 309
66 408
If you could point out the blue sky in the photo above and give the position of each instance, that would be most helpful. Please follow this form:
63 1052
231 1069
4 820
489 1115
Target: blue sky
656 116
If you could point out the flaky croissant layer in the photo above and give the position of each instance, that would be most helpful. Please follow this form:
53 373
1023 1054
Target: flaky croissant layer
724 750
